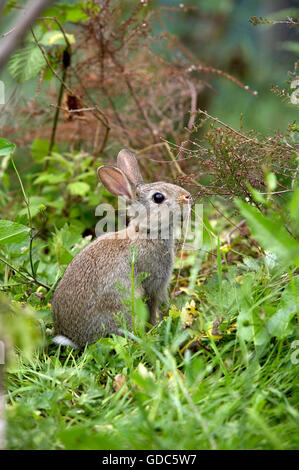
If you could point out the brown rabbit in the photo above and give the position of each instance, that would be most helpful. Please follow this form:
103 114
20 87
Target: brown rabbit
86 298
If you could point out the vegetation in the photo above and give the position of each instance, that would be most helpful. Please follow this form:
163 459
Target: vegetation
219 370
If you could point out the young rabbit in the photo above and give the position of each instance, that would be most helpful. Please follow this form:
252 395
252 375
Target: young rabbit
87 298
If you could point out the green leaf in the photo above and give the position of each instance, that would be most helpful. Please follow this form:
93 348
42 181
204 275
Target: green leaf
79 437
37 204
288 307
56 38
245 321
65 12
67 242
11 232
18 321
270 234
75 13
291 46
78 188
294 205
271 181
51 178
6 147
38 30
9 6
40 149
61 160
26 63
257 196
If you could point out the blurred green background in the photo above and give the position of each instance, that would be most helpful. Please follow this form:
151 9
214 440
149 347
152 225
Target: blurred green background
218 33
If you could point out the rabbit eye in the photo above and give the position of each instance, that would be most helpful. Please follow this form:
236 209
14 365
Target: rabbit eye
158 198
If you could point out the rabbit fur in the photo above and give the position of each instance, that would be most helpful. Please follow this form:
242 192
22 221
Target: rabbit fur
87 298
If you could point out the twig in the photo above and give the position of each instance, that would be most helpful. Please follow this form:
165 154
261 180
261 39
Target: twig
290 21
233 230
294 178
81 110
142 111
193 93
105 138
56 116
49 64
66 64
8 286
166 145
7 33
29 280
53 18
248 139
99 115
14 269
208 69
27 203
179 169
185 144
2 408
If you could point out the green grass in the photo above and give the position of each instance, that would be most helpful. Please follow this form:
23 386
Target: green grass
218 393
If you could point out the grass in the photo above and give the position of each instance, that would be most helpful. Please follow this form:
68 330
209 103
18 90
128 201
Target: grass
175 387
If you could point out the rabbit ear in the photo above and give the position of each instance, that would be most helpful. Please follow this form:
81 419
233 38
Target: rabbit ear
129 165
115 181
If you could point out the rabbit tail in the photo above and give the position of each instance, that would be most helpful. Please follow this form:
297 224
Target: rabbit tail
64 341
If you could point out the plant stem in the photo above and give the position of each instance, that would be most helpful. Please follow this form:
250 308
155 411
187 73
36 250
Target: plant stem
56 116
29 215
132 296
26 200
31 279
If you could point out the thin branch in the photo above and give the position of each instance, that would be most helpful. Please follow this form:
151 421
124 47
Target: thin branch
248 139
29 280
81 110
98 114
104 141
53 18
233 230
68 51
8 286
56 115
27 203
172 157
7 33
13 268
193 94
153 131
2 409
50 65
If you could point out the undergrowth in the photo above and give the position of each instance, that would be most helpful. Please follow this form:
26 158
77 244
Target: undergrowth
219 369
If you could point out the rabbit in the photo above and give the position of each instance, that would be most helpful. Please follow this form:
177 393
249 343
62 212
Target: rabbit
87 298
